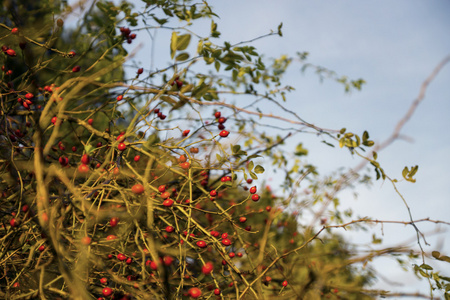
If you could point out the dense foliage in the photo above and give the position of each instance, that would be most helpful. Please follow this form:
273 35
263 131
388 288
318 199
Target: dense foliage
145 186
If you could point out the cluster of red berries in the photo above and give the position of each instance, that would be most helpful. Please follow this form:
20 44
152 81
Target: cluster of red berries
178 82
127 35
159 113
7 72
27 101
8 51
221 121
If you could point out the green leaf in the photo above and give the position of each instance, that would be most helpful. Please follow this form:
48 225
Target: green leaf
408 174
217 65
279 29
88 149
424 274
200 90
253 176
259 169
182 56
300 151
250 165
436 254
168 99
328 144
235 148
183 42
426 267
365 136
445 258
173 44
219 158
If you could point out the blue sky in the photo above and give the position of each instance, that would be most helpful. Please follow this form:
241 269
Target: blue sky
394 46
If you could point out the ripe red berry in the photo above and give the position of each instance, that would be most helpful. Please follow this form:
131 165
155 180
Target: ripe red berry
153 264
194 292
255 197
120 97
201 244
165 195
207 268
104 280
121 257
137 158
268 208
216 292
111 237
83 168
168 260
72 54
64 161
85 159
140 71
242 219
253 189
217 114
182 158
185 165
107 291
169 229
224 133
120 138
114 221
25 208
14 222
137 189
54 119
285 283
215 233
76 69
15 30
86 240
222 120
90 121
168 202
213 193
11 52
226 242
186 132
122 146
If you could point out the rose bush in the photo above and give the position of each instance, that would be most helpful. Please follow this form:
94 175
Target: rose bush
150 187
